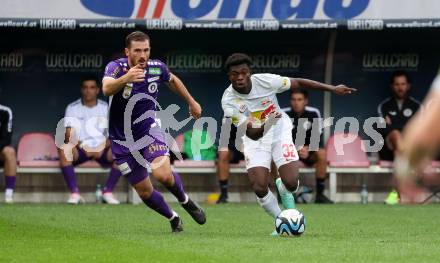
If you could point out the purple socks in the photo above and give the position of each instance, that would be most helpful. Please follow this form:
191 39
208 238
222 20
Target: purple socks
112 180
69 177
158 204
10 182
177 188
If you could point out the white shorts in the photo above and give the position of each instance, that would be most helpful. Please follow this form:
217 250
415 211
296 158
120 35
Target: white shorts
278 147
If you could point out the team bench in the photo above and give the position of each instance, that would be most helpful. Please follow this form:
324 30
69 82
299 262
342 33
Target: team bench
36 152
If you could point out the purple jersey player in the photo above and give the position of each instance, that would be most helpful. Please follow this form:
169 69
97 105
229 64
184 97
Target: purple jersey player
132 84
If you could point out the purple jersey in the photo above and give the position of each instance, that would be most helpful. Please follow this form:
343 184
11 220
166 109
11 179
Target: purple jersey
156 72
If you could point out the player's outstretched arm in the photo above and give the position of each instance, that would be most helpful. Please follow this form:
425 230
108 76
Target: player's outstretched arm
296 83
178 87
111 86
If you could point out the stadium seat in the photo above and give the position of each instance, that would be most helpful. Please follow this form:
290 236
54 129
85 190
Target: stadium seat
346 155
194 164
435 164
90 164
386 164
178 144
37 149
240 164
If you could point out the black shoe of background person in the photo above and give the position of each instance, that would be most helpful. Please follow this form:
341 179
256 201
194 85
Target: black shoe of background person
195 211
322 199
302 195
176 225
222 199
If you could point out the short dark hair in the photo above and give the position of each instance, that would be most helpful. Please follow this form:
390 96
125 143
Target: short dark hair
135 36
304 92
400 73
89 77
237 59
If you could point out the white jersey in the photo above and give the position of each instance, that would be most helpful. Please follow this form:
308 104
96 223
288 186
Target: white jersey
276 145
259 103
90 123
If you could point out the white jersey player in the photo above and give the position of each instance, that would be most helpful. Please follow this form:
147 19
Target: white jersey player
86 119
251 100
90 122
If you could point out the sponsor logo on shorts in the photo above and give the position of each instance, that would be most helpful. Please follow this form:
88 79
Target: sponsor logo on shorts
124 168
152 148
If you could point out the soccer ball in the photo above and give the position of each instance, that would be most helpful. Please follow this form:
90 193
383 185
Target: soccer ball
290 222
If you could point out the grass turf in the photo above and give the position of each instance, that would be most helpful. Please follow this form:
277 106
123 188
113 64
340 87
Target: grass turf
233 233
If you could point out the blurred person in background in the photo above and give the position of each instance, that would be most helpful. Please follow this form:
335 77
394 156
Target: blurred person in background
396 110
420 144
92 142
226 156
8 159
302 117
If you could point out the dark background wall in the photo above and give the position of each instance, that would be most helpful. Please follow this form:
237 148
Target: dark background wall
38 89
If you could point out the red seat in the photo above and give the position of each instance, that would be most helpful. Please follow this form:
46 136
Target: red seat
90 164
350 154
386 164
435 164
240 164
37 149
177 146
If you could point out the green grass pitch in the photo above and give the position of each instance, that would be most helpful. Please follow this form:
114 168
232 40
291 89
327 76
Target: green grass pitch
233 233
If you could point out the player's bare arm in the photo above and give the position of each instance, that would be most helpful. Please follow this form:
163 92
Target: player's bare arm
296 83
177 86
112 86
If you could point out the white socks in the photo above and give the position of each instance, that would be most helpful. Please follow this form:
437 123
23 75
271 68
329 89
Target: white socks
186 200
174 215
9 192
270 204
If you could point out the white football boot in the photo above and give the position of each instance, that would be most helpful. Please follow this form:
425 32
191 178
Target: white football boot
8 196
75 199
110 199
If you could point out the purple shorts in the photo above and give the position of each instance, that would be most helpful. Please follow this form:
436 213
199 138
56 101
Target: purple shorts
127 163
102 160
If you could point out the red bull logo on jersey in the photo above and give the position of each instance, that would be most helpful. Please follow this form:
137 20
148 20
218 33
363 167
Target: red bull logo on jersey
263 114
228 9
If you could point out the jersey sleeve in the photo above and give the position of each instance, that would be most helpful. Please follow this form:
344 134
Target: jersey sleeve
279 83
68 117
112 70
165 75
232 113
